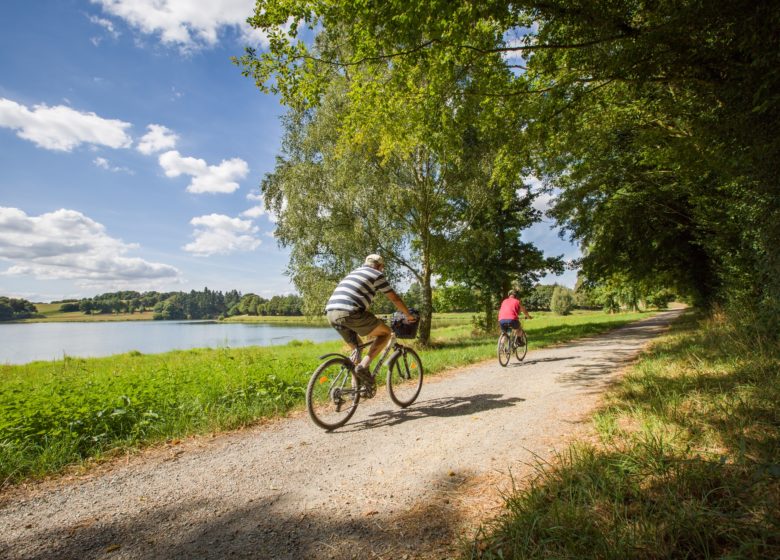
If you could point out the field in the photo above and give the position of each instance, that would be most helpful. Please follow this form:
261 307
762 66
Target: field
51 314
61 413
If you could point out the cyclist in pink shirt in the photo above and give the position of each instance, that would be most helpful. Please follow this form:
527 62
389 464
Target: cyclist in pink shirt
509 313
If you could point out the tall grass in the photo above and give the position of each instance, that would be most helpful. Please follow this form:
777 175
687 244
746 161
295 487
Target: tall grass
54 414
688 464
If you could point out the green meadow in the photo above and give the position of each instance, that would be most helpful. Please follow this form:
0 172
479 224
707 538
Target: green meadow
50 313
56 414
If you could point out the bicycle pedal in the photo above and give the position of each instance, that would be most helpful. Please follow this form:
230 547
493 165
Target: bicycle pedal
369 391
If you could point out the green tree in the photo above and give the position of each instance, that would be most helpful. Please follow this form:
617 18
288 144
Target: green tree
660 299
339 200
539 297
562 301
656 121
6 312
454 297
584 298
172 308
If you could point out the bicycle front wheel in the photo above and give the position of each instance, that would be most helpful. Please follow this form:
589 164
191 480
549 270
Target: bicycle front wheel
504 349
521 346
332 395
404 376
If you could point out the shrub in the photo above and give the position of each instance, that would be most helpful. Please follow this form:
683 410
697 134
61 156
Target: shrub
562 301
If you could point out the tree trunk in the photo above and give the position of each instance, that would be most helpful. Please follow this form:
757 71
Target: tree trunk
489 317
426 313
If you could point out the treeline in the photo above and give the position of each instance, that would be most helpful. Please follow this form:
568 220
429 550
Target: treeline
610 297
211 304
12 309
606 296
205 304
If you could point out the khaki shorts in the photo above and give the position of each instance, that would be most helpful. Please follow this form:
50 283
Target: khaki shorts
347 323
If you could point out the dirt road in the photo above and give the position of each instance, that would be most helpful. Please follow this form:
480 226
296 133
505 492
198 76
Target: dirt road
390 484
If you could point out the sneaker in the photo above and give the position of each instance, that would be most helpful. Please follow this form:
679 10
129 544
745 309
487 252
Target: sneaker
362 373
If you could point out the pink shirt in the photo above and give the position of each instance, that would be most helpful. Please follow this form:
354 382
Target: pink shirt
510 309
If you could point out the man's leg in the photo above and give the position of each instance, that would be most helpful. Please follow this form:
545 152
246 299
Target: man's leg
352 341
517 328
348 335
382 334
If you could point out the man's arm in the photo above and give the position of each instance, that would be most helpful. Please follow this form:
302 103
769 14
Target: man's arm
522 308
400 305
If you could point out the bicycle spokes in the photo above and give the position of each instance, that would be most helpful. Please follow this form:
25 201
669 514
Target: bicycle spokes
404 377
332 394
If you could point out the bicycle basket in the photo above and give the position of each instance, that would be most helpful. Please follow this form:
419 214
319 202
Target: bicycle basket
401 327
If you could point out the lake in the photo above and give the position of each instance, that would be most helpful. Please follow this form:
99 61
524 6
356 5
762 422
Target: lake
26 342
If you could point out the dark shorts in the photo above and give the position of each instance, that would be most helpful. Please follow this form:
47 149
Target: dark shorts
349 323
507 324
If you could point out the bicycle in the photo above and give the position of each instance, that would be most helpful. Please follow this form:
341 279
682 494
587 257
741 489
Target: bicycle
509 342
334 391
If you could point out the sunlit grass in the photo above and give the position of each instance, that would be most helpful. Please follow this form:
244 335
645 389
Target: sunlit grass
688 465
50 313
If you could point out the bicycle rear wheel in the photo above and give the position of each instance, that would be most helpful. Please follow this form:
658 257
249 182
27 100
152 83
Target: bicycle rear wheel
332 395
504 349
521 346
404 376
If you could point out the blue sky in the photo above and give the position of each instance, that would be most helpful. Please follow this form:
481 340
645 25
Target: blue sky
131 151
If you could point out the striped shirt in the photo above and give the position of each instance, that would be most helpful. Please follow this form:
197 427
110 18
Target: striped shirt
356 291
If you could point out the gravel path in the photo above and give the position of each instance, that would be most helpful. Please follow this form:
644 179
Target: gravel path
390 484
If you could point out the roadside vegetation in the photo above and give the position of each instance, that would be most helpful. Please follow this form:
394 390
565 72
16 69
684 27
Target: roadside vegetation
687 464
60 413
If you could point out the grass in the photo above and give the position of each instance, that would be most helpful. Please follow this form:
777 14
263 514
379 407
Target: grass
51 314
687 464
298 320
65 412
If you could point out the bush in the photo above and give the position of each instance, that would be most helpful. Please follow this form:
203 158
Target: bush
562 301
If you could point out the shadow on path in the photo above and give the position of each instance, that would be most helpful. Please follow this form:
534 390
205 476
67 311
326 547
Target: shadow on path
541 361
444 407
273 527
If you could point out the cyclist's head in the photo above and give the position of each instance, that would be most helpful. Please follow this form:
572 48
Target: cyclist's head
512 293
374 261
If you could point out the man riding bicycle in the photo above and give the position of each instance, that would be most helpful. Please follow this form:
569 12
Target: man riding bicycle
347 310
509 313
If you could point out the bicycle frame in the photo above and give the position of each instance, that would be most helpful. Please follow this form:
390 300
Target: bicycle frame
356 354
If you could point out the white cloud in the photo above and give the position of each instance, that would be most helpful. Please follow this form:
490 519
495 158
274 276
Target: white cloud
107 24
66 244
103 163
62 128
260 209
544 201
254 212
158 138
544 197
220 234
205 178
184 23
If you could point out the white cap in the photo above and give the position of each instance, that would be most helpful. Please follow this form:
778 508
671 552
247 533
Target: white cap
374 260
